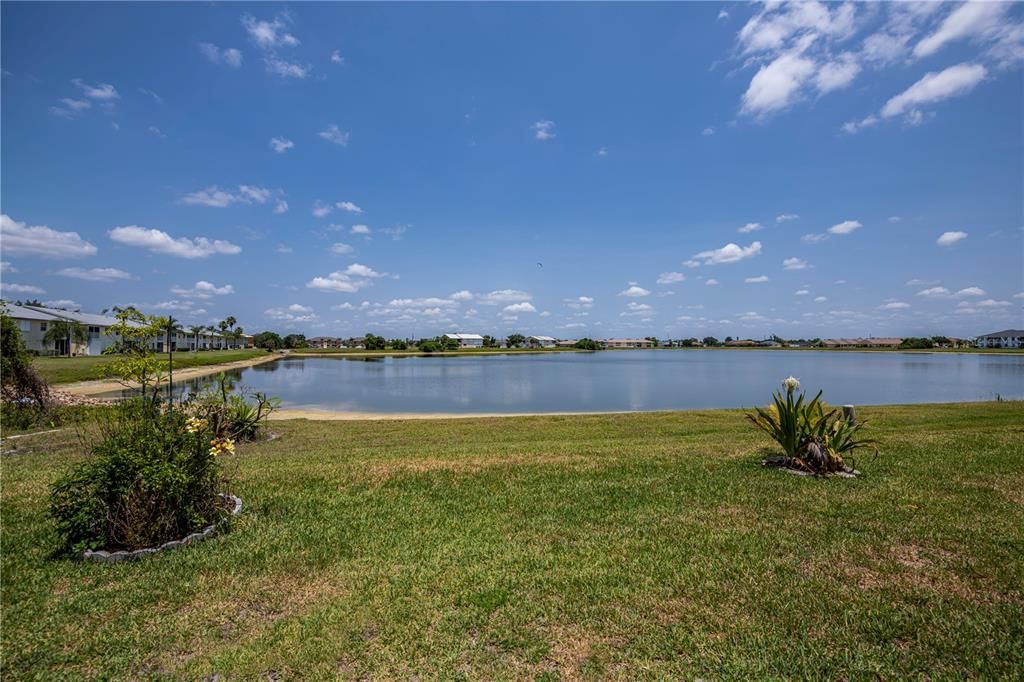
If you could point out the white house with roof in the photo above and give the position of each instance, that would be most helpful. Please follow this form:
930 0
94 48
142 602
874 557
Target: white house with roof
542 341
467 340
1008 338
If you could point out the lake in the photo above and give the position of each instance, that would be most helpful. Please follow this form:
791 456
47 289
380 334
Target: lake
613 381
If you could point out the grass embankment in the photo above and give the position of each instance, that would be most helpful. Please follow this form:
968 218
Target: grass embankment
629 546
85 368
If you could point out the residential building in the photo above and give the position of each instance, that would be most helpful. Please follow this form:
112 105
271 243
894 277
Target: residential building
324 342
541 341
628 343
871 342
33 325
467 340
1008 338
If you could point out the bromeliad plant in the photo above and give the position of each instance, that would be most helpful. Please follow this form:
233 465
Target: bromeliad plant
815 437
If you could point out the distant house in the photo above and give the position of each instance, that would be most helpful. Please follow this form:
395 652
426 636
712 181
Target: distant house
467 340
741 343
34 321
324 342
768 343
628 343
542 341
566 343
1008 338
871 342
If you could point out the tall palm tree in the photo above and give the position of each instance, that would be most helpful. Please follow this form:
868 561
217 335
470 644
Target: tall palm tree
210 328
196 329
68 331
236 335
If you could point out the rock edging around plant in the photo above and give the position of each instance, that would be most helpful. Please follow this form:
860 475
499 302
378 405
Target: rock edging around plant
125 555
783 464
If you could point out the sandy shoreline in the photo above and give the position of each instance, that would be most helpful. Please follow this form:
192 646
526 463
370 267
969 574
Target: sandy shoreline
99 386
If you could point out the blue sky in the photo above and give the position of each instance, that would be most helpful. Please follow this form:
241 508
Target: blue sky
572 169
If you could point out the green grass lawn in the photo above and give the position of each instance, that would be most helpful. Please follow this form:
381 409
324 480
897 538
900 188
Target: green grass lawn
85 368
627 546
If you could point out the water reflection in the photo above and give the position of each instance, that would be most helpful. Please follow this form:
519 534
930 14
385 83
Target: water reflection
614 381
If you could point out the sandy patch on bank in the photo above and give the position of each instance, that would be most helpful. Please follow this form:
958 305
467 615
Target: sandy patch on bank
106 385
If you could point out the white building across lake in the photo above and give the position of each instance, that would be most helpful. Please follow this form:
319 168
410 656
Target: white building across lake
542 341
467 340
1008 338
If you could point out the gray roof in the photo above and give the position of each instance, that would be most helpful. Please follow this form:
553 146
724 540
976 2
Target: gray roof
83 318
466 337
20 312
1005 332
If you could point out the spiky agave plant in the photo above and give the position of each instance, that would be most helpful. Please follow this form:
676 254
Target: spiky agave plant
785 419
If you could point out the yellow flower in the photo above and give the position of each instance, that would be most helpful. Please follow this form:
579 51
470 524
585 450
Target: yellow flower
195 424
222 446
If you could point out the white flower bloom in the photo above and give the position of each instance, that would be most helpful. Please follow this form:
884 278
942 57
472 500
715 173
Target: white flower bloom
791 384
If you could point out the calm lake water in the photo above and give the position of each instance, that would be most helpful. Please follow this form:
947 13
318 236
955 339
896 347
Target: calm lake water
624 380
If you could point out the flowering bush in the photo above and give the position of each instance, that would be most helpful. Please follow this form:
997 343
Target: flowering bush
154 476
814 436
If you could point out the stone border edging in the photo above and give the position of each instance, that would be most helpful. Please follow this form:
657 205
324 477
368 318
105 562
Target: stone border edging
124 555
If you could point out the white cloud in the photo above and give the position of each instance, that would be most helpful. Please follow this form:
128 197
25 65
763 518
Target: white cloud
156 98
934 292
750 227
292 314
707 132
921 282
348 206
970 291
286 69
711 282
813 238
820 299
343 306
801 292
935 87
730 253
215 197
349 280
159 241
360 229
104 92
894 219
228 56
12 288
794 264
776 85
320 209
95 274
786 217
284 248
268 35
462 296
1020 295
969 20
335 135
396 232
203 289
249 193
281 144
341 248
722 15
837 74
544 130
761 279
950 238
580 302
39 240
63 304
603 151
516 308
156 131
894 305
634 291
845 227
992 303
336 57
670 277
503 296
5 266
281 206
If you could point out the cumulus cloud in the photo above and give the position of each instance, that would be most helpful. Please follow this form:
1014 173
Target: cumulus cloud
281 144
670 277
845 227
100 91
228 56
711 282
544 130
776 85
281 206
292 314
970 291
750 227
635 291
760 279
950 238
516 308
503 296
894 305
707 132
935 87
320 209
5 266
159 241
820 299
341 248
795 264
580 302
12 288
335 135
730 253
360 229
40 240
934 292
95 274
286 69
269 35
350 280
336 57
349 207
215 197
801 292
786 217
203 289
63 304
813 238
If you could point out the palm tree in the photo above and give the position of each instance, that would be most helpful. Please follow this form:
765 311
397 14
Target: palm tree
236 335
68 331
196 329
210 328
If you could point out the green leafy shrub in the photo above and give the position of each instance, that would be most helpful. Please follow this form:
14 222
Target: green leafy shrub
814 436
154 476
24 393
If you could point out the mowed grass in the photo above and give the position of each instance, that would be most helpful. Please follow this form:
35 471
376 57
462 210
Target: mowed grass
641 546
58 370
